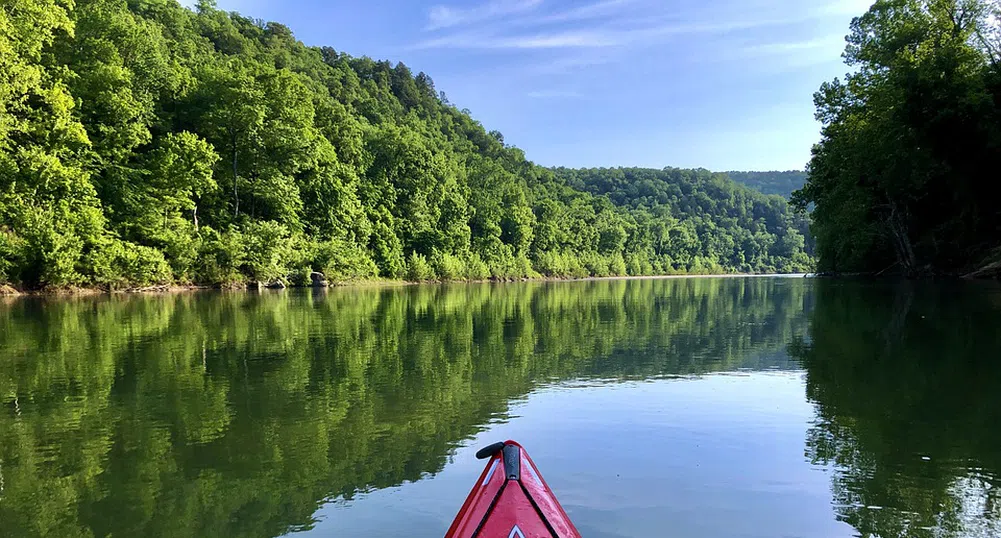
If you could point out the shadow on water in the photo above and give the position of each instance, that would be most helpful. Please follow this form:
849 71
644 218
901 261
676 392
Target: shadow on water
221 414
906 381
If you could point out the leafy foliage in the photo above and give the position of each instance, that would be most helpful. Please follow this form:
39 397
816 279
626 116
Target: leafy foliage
235 153
694 221
902 176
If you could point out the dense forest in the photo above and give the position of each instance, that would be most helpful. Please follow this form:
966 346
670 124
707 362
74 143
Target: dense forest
901 180
142 142
734 225
780 183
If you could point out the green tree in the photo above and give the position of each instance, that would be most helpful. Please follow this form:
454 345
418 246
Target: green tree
232 114
901 176
140 134
48 204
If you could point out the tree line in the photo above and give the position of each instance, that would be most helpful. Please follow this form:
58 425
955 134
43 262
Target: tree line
142 142
911 137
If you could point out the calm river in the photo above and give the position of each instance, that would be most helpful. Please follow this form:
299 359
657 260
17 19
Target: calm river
689 408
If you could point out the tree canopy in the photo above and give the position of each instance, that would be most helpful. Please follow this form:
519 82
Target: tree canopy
142 142
911 137
775 182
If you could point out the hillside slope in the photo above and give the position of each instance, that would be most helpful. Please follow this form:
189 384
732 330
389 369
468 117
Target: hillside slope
142 142
780 183
707 215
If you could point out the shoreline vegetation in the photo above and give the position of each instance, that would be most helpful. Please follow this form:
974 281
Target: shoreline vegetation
144 145
9 291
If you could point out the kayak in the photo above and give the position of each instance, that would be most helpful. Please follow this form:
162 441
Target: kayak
510 500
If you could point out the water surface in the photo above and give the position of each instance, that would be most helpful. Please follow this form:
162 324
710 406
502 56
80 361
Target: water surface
689 408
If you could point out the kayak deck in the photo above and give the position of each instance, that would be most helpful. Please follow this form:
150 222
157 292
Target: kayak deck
511 500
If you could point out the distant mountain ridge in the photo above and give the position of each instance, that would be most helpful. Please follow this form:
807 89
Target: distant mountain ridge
773 182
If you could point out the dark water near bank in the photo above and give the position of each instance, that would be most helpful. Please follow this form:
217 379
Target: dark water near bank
765 407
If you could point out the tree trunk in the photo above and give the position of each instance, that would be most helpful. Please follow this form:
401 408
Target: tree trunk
194 216
236 194
253 195
902 241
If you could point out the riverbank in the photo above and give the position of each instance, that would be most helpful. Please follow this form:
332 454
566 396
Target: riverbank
9 291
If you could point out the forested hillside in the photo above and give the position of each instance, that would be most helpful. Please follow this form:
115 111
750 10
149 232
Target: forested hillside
903 179
704 214
780 183
142 142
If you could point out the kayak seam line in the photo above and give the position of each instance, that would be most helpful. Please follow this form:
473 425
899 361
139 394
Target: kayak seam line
538 510
490 510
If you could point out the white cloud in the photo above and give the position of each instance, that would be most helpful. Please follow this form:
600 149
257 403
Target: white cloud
554 94
588 38
833 42
589 11
784 56
614 27
561 41
556 40
447 17
582 39
441 17
574 61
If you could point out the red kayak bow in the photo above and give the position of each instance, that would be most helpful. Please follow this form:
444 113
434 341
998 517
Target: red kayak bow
511 500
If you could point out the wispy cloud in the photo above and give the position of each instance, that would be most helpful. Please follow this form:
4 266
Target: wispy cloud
791 55
555 94
572 61
828 42
551 40
442 16
559 38
585 12
614 34
606 23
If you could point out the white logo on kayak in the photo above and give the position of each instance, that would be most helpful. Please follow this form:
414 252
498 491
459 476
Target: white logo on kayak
516 533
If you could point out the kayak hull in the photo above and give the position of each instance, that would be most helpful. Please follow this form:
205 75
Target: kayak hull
511 500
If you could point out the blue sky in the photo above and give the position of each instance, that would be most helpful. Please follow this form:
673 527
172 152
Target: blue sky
720 84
